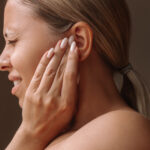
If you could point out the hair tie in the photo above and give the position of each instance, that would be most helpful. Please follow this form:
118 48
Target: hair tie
126 69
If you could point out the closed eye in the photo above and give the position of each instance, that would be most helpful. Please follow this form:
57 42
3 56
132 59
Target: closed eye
12 42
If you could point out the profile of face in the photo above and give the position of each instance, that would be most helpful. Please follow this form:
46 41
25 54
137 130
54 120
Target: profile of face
27 39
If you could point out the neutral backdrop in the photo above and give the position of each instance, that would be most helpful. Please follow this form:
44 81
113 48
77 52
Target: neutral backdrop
10 113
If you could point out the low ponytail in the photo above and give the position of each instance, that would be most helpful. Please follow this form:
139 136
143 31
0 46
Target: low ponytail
136 92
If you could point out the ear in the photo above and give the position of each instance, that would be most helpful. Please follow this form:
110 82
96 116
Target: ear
83 36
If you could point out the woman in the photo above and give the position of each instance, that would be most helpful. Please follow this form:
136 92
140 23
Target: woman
68 95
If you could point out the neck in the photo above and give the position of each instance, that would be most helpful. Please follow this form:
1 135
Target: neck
97 93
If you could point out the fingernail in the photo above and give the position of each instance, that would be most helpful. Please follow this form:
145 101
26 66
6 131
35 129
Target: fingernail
71 39
73 46
50 52
64 43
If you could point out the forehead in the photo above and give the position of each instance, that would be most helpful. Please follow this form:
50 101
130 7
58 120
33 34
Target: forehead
21 19
16 16
16 6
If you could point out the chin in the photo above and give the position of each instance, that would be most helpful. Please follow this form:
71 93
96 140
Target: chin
20 102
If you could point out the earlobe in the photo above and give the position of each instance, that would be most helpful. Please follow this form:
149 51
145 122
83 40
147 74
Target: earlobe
83 36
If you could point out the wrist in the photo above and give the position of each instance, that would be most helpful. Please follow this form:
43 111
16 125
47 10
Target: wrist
30 138
37 135
25 140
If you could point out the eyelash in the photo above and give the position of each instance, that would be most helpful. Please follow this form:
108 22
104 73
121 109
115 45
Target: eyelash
11 42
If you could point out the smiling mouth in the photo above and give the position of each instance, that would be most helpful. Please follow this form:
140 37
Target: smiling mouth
16 86
16 80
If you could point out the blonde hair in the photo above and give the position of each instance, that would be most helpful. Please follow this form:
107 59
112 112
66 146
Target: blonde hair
111 25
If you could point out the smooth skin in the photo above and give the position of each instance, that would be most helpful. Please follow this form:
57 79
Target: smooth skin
103 120
45 99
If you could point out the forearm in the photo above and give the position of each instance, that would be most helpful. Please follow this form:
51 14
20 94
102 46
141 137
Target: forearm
25 141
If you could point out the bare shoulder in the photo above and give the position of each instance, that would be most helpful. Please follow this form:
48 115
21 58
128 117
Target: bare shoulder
119 130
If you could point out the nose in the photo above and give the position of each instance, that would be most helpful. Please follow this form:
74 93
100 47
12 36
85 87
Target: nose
5 64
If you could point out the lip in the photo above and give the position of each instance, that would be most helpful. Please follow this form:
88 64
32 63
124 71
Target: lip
14 78
16 87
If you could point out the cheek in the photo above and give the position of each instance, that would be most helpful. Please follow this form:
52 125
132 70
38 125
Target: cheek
25 63
27 55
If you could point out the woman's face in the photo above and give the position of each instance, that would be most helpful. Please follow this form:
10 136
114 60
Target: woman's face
27 39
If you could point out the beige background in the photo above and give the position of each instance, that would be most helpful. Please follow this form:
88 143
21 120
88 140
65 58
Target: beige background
10 113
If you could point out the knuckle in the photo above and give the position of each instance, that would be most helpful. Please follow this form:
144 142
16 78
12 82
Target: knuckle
37 96
37 76
43 63
37 99
64 107
34 98
61 69
51 72
51 103
28 96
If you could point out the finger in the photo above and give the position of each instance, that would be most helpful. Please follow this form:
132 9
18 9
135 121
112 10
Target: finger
58 80
69 86
53 65
36 79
